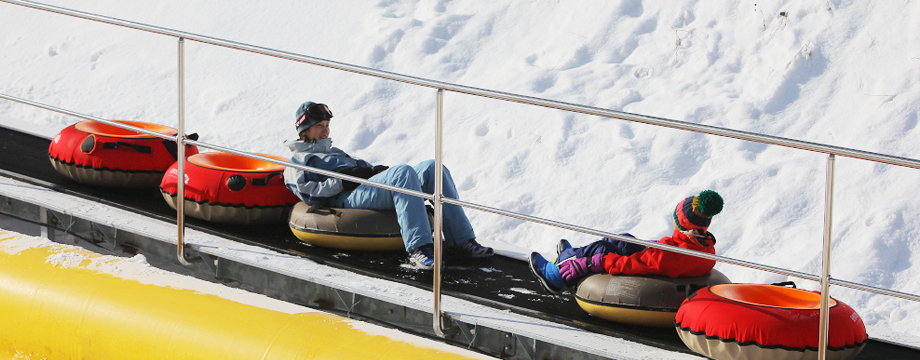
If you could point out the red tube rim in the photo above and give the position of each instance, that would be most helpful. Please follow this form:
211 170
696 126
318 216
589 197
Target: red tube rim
231 162
770 296
95 127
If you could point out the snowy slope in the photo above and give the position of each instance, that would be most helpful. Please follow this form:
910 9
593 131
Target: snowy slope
836 72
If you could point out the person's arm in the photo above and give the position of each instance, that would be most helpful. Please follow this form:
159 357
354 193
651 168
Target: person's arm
364 163
312 188
320 187
358 162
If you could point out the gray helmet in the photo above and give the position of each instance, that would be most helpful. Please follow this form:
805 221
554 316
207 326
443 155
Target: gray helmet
310 113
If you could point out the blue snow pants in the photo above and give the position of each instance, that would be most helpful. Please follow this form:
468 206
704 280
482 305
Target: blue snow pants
602 246
410 210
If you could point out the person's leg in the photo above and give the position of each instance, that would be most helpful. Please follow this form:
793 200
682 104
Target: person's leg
410 210
624 248
602 246
457 227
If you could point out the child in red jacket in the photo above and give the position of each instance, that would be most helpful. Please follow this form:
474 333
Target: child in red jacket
691 221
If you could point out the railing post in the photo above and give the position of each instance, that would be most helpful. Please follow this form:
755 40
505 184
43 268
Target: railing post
826 260
438 174
180 157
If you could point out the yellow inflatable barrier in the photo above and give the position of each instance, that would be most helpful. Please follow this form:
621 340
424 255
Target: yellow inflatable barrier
56 303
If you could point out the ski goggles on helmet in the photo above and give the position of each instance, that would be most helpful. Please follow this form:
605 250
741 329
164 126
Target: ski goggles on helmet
313 114
319 112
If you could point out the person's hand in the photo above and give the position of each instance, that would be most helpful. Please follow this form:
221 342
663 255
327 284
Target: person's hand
575 268
363 172
349 185
380 168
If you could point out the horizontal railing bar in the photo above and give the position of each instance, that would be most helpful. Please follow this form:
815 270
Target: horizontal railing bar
87 117
674 124
648 243
679 250
448 200
314 170
857 286
220 148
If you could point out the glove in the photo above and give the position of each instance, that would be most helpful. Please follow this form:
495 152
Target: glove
349 185
380 168
575 268
363 172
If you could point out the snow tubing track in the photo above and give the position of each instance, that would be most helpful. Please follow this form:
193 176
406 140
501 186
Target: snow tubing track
755 321
639 300
230 189
93 153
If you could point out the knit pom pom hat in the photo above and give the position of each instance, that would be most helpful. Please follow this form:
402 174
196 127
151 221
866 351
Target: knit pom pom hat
696 212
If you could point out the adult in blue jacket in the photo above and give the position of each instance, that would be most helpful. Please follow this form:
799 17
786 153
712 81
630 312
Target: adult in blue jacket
314 149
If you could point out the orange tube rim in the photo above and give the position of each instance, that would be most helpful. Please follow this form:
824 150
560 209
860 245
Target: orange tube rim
231 162
770 296
95 127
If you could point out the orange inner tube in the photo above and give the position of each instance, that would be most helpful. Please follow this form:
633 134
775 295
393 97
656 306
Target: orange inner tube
231 162
95 127
770 296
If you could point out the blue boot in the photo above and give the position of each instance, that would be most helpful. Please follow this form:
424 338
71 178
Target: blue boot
561 247
546 272
423 257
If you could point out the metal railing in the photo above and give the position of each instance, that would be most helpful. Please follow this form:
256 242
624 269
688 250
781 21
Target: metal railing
438 200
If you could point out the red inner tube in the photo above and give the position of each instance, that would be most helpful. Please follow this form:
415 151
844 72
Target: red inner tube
227 179
94 145
768 316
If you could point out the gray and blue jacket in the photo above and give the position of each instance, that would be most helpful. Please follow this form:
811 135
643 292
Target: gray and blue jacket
316 189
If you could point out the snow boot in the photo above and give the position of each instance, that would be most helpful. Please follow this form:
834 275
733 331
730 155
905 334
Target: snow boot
473 249
547 273
422 258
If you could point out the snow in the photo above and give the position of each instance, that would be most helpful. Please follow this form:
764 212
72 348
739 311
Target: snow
834 72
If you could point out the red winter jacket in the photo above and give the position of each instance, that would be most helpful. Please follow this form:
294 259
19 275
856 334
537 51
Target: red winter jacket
652 261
